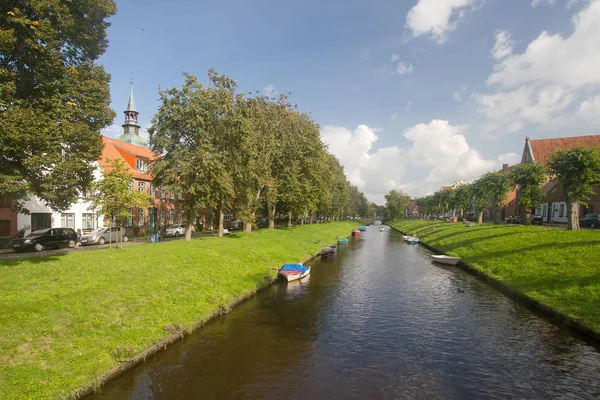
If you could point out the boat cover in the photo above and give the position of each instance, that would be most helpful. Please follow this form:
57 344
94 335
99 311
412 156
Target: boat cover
294 268
342 240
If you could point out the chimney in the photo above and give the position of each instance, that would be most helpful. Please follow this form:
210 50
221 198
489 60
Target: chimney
504 166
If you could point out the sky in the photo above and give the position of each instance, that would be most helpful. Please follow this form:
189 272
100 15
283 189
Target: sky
409 94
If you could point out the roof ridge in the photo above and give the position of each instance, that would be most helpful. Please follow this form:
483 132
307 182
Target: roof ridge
562 138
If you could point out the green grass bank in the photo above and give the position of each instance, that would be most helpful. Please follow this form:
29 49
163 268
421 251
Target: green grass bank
554 269
69 320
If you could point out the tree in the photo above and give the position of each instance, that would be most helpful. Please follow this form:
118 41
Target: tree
114 194
53 98
396 202
193 133
464 198
490 191
529 177
578 171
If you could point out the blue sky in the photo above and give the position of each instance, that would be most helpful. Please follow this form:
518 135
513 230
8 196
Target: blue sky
410 95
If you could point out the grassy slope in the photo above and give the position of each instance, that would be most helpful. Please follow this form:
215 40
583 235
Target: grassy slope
558 268
66 320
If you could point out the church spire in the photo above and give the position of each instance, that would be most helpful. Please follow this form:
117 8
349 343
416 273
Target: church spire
131 129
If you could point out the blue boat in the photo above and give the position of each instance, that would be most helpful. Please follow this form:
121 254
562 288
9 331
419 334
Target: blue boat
362 228
291 272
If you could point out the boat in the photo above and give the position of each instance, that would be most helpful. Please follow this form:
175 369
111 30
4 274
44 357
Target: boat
328 251
356 232
362 228
412 240
343 240
380 229
404 237
444 259
291 272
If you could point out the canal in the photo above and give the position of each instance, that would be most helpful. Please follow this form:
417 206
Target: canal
378 321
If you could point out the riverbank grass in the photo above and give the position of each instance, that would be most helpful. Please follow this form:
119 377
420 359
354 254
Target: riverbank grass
68 319
556 267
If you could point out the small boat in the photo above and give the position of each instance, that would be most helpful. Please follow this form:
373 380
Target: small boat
328 251
412 240
291 272
362 228
343 240
444 259
404 237
356 233
380 229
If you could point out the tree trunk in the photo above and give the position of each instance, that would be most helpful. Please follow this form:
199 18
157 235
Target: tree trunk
247 227
527 219
272 218
301 220
572 215
221 215
497 215
188 230
480 217
289 224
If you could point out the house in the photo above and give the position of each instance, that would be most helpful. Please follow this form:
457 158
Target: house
554 206
511 206
8 218
412 210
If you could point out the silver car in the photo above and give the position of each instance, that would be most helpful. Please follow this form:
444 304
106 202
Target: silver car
176 230
104 235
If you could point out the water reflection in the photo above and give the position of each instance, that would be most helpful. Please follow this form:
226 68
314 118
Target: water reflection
378 320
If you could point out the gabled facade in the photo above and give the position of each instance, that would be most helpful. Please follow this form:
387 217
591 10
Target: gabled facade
554 206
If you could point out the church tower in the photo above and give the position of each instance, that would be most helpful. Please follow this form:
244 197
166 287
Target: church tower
131 129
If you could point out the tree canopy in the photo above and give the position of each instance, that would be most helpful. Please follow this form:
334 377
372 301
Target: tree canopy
53 98
529 177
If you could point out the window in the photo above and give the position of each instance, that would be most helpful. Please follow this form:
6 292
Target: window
4 227
86 193
544 210
67 220
87 221
228 217
141 221
171 217
4 202
179 217
152 190
141 165
129 221
172 194
141 186
180 195
561 213
163 216
151 220
162 192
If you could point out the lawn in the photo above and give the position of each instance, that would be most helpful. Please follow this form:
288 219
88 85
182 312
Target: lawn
67 320
557 268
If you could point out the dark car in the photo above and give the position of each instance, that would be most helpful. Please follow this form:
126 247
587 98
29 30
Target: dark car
46 238
514 219
590 220
537 220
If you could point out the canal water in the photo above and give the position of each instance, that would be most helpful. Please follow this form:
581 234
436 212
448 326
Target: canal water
378 321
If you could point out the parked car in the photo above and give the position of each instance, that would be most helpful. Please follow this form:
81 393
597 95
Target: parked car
176 230
46 238
103 235
590 220
514 219
537 220
233 225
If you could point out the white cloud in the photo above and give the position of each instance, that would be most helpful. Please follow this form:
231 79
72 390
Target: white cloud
458 94
503 47
270 90
438 154
112 131
436 17
408 106
535 3
571 3
549 84
403 68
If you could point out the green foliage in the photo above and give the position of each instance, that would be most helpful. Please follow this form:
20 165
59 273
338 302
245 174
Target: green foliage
113 195
490 191
53 98
396 202
578 170
85 312
529 177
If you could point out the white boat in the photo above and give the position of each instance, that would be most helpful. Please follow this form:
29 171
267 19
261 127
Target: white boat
380 229
291 272
444 259
412 240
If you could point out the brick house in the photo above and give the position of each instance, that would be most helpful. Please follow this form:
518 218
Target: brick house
8 218
554 206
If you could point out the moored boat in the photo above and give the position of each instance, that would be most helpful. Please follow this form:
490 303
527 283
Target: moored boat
362 228
444 259
328 251
291 272
343 240
412 240
356 233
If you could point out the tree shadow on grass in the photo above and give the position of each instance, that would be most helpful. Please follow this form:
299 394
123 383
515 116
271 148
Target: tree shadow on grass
35 259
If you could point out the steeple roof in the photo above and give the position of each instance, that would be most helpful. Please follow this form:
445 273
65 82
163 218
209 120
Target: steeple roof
131 103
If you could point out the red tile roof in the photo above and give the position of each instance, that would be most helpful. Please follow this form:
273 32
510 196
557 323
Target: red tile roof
114 148
542 148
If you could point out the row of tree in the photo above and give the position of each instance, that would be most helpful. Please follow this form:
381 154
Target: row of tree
577 170
250 154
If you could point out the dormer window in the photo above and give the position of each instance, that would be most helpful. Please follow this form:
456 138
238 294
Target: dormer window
141 165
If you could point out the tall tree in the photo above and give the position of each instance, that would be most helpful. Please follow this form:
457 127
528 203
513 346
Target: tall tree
490 191
113 195
578 171
396 202
53 98
192 133
464 198
529 177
